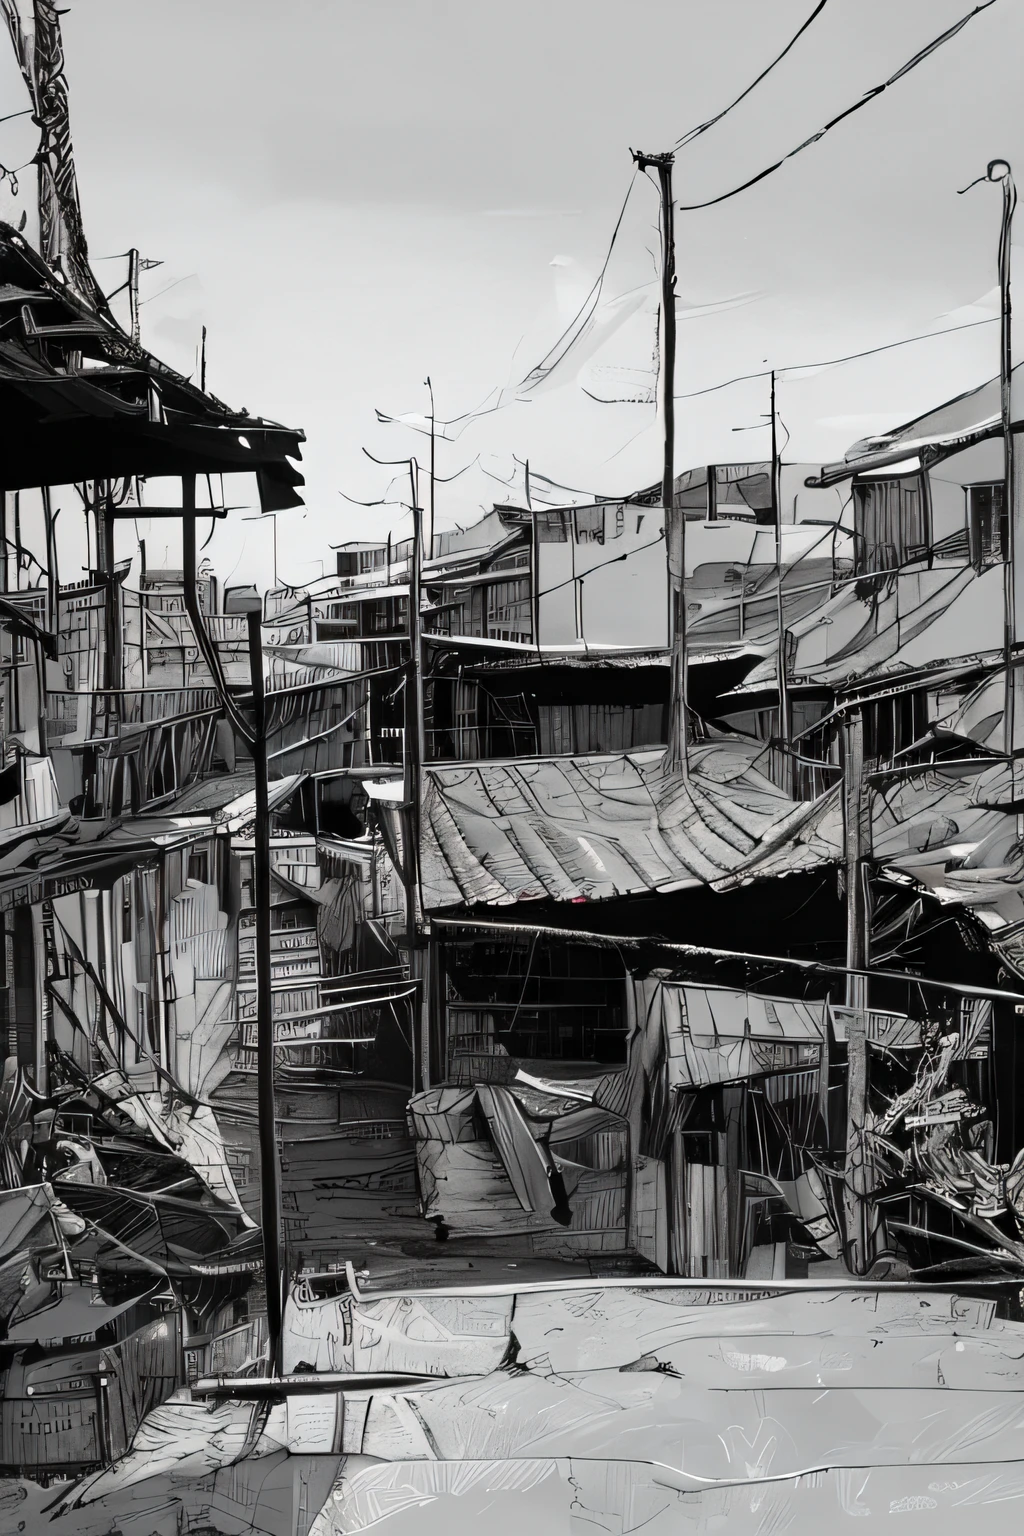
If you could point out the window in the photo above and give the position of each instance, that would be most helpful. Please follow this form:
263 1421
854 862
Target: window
985 523
589 525
199 865
890 524
552 526
508 610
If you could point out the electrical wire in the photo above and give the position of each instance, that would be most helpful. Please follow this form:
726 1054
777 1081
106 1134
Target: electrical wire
833 362
871 95
578 324
695 133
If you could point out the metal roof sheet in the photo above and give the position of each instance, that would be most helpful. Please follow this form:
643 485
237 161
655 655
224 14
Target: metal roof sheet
591 828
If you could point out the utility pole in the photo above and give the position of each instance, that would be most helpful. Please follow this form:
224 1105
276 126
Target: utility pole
52 571
1013 578
863 1225
675 525
785 731
104 508
414 758
430 542
255 737
270 1169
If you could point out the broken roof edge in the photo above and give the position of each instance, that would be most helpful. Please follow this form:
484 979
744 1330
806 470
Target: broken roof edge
927 451
57 286
930 429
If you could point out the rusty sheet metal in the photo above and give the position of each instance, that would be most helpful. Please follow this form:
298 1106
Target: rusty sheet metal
590 828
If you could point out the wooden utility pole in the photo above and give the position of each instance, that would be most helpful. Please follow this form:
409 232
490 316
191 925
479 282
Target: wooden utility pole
862 1221
255 737
414 758
104 510
270 1168
785 729
675 524
430 540
1013 713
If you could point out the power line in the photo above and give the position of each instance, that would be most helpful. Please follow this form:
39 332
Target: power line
833 362
695 133
875 91
578 324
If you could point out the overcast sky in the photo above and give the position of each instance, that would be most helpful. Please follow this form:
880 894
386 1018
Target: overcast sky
351 194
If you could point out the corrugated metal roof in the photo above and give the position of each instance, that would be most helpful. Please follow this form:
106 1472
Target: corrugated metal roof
591 828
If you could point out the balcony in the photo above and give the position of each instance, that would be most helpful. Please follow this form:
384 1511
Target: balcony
98 716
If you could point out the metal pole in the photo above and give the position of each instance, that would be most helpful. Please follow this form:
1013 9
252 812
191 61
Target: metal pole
675 525
270 1170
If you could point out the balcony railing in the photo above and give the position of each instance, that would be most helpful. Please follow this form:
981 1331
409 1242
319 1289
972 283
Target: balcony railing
101 715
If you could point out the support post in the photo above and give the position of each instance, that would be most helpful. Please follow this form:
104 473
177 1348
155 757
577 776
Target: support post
270 1169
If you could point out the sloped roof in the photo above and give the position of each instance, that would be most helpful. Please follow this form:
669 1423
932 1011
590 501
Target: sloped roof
943 430
922 619
592 828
